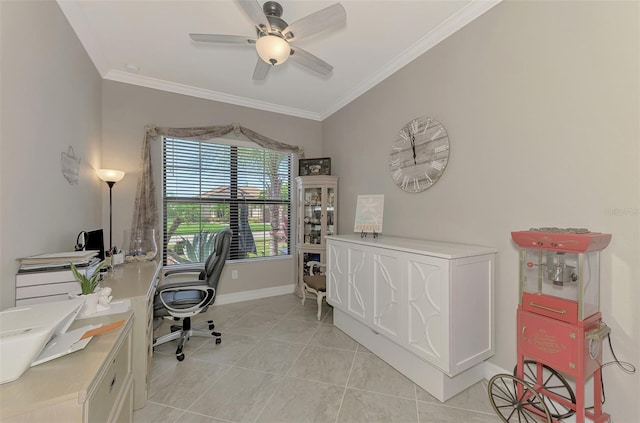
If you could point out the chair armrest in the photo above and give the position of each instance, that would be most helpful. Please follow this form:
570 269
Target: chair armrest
183 275
311 264
185 284
209 292
183 271
192 269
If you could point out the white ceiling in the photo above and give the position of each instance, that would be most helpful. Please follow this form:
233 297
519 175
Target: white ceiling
379 38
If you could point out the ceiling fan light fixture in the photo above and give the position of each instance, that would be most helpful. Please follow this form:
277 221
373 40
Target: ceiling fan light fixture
273 49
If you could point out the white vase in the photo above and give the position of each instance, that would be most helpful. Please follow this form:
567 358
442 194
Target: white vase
90 303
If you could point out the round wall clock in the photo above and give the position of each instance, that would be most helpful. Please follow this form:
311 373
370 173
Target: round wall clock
419 155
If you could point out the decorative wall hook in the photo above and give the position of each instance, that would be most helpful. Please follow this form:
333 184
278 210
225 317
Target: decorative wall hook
70 166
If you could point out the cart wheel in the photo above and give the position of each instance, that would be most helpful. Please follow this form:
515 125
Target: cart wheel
515 401
554 383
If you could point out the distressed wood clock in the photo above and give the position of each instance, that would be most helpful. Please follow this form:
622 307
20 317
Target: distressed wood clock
419 155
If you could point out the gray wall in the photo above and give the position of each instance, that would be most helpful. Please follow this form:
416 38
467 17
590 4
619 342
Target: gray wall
51 99
540 100
126 111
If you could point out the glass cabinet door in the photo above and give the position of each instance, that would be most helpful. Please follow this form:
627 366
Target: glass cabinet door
312 216
330 217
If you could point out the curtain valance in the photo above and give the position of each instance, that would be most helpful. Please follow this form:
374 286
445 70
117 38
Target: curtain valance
145 212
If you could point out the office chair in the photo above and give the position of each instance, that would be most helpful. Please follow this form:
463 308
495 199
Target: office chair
315 283
182 298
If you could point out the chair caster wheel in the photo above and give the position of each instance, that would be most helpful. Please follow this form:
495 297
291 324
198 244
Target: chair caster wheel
179 353
218 334
218 341
212 326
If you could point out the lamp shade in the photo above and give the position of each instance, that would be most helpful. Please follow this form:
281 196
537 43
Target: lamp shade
110 175
273 49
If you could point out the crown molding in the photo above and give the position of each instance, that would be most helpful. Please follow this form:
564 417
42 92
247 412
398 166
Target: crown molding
74 14
159 84
449 26
78 21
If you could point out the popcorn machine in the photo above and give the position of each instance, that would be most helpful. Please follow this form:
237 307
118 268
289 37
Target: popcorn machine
560 329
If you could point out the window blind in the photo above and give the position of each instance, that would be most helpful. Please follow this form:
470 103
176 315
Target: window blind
209 185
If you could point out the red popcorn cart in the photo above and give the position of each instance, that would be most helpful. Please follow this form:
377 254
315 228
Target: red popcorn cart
560 329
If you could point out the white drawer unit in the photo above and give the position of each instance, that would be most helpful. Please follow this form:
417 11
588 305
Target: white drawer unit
425 307
33 287
113 385
137 282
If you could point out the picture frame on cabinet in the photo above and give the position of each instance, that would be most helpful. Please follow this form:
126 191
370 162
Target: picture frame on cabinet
312 167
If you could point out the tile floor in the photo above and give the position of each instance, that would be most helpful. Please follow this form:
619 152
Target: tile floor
278 364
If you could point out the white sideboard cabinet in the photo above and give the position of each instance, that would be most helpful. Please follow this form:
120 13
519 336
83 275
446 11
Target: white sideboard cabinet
426 308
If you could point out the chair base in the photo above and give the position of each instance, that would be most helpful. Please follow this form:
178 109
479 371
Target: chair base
319 296
185 332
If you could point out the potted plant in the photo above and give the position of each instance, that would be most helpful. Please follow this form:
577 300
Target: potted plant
88 285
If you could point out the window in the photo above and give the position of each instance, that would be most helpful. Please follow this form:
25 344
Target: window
209 185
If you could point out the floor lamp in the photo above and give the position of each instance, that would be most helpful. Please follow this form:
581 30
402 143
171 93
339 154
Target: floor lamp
110 176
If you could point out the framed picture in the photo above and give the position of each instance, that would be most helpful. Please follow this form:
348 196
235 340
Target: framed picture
309 167
369 212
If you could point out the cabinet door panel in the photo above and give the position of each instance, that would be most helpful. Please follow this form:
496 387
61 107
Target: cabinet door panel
428 308
337 275
359 284
387 287
471 315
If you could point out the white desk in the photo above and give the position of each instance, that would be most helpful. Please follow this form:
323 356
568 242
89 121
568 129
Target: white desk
137 282
91 385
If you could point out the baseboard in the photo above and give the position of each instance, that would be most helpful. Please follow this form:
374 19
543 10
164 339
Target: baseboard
490 370
254 294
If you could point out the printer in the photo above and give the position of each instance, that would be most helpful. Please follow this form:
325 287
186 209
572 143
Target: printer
26 332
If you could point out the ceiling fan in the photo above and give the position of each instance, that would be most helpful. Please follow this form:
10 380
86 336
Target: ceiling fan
274 36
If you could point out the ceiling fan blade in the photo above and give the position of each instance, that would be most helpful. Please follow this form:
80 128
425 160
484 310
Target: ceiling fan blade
261 70
310 61
255 13
327 18
220 38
